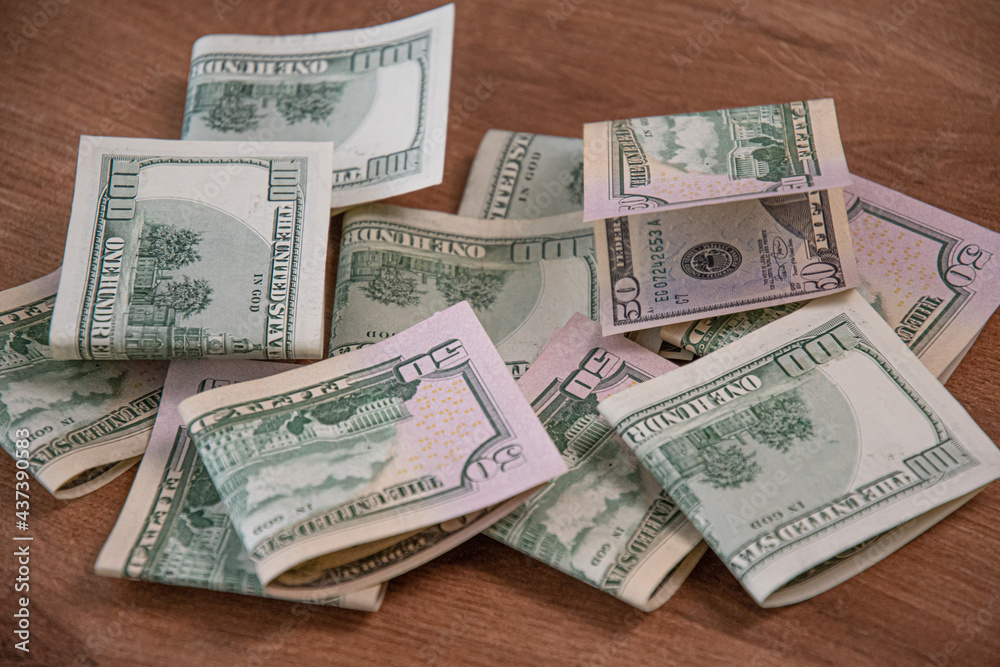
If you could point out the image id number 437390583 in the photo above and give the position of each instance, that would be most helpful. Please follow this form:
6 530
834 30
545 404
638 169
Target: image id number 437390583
22 550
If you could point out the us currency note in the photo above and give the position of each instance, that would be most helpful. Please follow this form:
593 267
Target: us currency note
80 424
174 528
524 176
380 94
808 450
676 266
664 163
347 458
931 275
606 522
523 279
183 249
650 339
704 336
530 176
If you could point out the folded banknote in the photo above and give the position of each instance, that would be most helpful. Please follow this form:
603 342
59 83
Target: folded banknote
524 176
676 266
808 450
174 528
77 424
662 163
607 521
379 93
405 448
523 278
185 249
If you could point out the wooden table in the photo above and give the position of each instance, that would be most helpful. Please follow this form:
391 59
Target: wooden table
917 87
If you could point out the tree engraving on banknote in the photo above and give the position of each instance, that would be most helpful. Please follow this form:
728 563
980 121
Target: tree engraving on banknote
381 99
523 279
148 271
811 408
667 162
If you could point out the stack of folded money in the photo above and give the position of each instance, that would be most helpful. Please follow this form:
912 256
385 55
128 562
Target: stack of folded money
477 378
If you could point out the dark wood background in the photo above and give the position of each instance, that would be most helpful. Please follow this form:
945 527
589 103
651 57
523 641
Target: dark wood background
917 87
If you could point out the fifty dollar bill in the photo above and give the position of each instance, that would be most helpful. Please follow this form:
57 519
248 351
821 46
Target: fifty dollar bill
380 94
669 162
607 521
523 279
808 450
182 249
324 465
931 275
676 266
84 422
174 528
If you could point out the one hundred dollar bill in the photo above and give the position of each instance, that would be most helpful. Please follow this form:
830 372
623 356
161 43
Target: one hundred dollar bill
174 528
676 266
808 450
324 465
523 279
931 275
606 522
183 249
524 176
380 94
77 424
663 163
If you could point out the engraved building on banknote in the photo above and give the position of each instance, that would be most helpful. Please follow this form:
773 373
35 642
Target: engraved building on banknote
247 443
198 544
761 138
747 128
152 331
208 95
19 351
582 437
692 451
366 264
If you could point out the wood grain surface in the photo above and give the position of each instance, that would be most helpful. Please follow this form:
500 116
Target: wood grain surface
917 87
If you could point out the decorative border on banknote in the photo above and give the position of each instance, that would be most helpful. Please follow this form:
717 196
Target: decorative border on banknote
107 428
368 566
524 140
378 167
917 464
951 310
